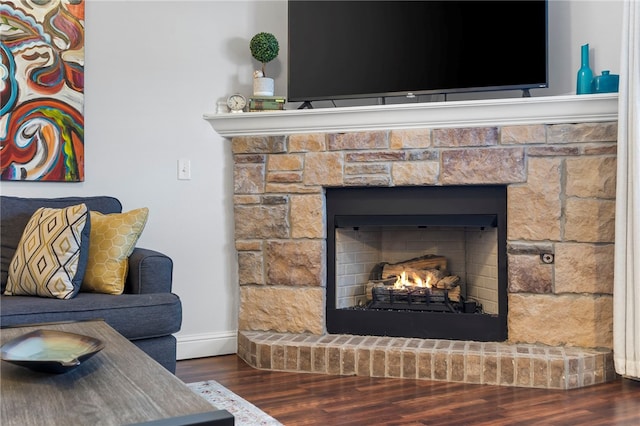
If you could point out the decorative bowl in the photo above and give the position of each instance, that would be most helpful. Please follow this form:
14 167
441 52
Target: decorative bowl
50 351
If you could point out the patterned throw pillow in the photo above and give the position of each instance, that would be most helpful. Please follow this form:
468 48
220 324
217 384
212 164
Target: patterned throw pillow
113 238
52 254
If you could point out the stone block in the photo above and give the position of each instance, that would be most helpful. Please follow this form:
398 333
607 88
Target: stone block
291 188
248 245
367 180
282 309
295 262
528 274
590 220
584 268
408 173
284 177
375 156
525 134
357 140
580 320
308 142
410 138
247 199
591 176
483 166
248 178
323 168
250 158
258 144
474 136
366 169
250 268
285 162
423 155
534 210
582 132
257 222
307 216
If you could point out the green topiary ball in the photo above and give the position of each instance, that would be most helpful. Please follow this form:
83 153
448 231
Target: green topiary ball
264 48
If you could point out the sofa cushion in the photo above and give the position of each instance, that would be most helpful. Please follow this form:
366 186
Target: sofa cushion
51 256
135 316
113 238
15 212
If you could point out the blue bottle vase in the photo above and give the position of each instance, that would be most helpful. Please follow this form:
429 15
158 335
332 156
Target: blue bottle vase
585 75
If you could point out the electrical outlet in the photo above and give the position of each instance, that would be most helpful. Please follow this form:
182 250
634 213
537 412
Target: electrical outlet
184 169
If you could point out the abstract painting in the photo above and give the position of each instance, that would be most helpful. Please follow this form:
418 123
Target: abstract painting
42 90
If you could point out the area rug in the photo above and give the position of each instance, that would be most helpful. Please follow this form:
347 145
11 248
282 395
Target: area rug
245 413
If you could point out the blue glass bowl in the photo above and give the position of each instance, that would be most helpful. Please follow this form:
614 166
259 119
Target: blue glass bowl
50 351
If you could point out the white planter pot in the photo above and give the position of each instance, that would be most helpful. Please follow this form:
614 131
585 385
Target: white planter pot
263 86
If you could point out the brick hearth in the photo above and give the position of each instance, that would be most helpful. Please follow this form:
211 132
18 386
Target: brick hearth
490 363
561 196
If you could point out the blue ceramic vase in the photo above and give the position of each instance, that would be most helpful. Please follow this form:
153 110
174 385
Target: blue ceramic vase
605 83
585 75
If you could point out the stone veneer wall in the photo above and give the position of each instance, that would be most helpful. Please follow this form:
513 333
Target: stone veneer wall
561 196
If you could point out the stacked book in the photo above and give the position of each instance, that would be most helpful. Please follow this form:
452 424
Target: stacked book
266 103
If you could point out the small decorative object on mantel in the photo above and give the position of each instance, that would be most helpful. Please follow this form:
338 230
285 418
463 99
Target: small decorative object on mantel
236 103
605 83
264 48
585 75
267 103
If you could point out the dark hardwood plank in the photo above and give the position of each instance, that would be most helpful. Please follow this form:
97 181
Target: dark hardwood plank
313 399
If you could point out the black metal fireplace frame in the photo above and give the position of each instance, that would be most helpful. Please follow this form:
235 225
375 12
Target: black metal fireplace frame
469 205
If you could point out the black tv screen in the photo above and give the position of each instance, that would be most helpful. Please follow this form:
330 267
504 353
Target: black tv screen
358 49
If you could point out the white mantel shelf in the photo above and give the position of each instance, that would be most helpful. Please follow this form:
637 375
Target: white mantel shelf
477 113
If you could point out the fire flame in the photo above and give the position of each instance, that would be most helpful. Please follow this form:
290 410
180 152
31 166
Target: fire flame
411 279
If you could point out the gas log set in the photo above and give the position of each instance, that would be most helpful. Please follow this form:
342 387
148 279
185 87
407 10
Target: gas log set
419 284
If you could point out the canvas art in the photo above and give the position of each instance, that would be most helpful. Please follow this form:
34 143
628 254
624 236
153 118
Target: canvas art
42 90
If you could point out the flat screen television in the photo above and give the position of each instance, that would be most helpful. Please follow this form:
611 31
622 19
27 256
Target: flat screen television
379 49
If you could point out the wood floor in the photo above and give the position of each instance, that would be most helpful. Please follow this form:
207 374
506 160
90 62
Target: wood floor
312 399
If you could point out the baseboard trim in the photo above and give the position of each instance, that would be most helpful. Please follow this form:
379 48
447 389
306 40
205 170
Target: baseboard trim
206 344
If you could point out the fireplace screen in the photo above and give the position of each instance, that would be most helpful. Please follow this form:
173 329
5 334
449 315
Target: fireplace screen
417 262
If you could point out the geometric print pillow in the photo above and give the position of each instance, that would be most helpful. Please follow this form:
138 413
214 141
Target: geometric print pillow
52 254
113 238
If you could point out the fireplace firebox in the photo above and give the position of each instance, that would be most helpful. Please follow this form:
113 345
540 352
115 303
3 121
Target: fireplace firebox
424 262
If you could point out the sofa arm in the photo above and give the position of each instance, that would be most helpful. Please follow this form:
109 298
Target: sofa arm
149 272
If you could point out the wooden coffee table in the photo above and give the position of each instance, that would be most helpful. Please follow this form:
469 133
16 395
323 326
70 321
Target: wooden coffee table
119 385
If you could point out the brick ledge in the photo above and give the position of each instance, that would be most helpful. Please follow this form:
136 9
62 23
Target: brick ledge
504 364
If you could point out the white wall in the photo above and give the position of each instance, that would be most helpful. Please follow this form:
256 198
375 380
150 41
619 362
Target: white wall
154 67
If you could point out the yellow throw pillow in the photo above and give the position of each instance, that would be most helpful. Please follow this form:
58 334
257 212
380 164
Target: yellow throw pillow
113 238
51 256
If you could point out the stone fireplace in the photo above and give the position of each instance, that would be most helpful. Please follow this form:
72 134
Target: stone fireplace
458 227
560 186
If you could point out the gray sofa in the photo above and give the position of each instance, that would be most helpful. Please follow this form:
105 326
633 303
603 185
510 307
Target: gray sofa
147 313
